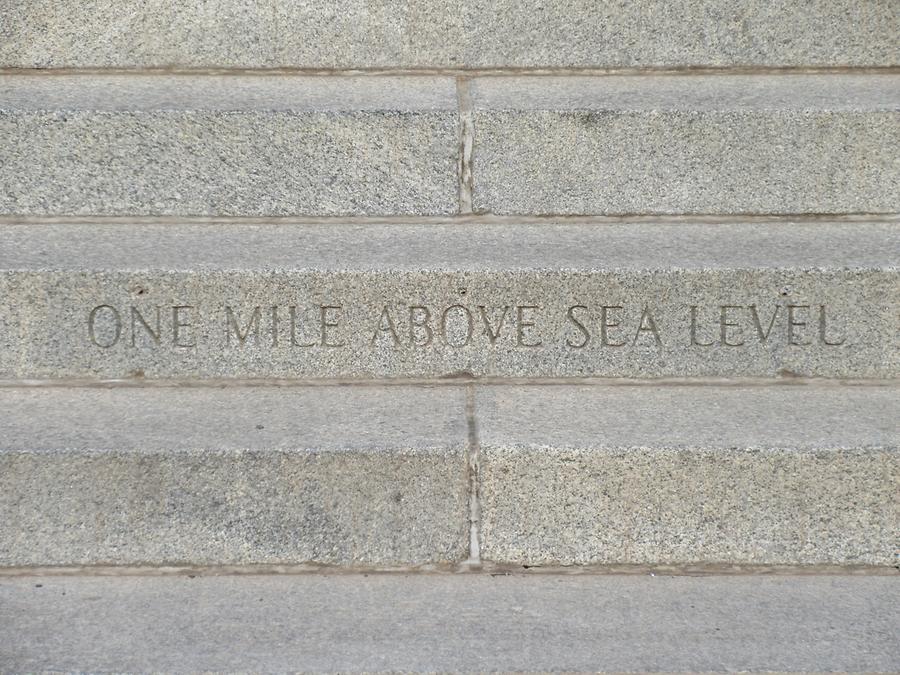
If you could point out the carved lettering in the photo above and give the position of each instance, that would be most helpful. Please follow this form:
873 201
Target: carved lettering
181 327
794 322
607 321
292 314
275 322
137 319
763 334
524 322
695 341
492 333
823 330
647 324
103 340
329 317
459 310
421 334
726 322
251 329
385 325
585 334
585 326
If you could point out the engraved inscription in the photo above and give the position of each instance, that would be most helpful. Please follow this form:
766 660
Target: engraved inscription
109 326
737 325
522 326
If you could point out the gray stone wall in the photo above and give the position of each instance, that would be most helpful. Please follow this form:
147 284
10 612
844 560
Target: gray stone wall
450 285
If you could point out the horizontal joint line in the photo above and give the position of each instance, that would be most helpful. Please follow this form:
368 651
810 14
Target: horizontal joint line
458 219
461 72
486 568
215 383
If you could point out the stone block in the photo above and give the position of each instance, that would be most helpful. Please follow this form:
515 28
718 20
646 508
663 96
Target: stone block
111 301
609 623
752 144
681 475
335 475
228 145
447 34
681 34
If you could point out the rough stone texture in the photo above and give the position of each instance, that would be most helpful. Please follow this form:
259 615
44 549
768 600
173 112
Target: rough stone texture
428 623
790 475
339 279
447 33
227 145
365 476
674 144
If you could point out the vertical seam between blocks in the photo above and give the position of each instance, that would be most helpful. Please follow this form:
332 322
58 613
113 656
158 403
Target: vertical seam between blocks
466 145
473 457
277 46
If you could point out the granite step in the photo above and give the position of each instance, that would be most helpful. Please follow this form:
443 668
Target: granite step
459 34
789 475
228 145
396 477
359 477
189 301
460 623
687 144
287 145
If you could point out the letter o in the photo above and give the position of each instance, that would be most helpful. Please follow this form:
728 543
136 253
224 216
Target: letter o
470 325
92 319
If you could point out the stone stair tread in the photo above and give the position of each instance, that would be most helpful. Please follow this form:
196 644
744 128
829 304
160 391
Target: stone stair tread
449 34
318 301
98 92
758 144
580 475
228 145
295 145
457 623
523 244
385 476
839 92
359 475
802 416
